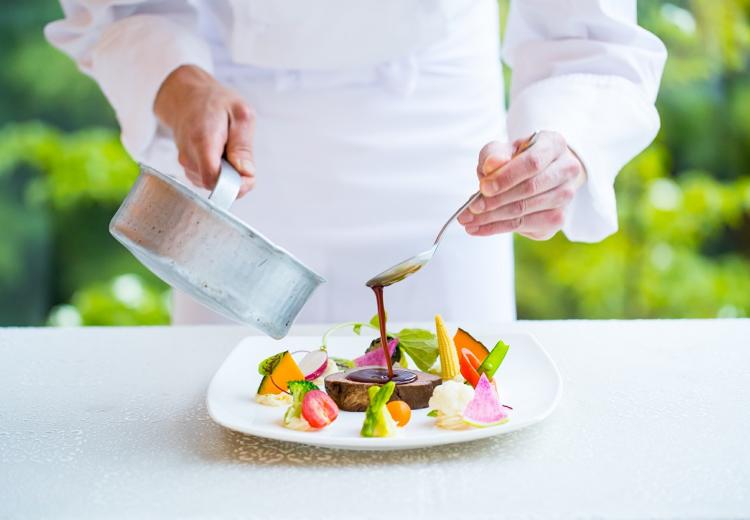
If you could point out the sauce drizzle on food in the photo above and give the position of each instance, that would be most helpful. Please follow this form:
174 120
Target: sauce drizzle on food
378 290
382 375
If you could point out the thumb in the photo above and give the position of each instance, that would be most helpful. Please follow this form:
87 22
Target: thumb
493 156
239 150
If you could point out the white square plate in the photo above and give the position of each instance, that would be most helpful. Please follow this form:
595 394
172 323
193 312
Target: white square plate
527 380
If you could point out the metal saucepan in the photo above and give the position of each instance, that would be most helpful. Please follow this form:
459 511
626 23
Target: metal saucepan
196 245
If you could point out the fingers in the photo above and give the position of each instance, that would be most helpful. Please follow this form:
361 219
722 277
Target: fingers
492 156
548 146
540 225
201 151
558 197
239 149
561 171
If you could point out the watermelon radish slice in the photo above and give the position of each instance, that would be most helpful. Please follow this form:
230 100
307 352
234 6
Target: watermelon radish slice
376 357
485 408
313 364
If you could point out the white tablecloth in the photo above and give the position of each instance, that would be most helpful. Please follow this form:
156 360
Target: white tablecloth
654 422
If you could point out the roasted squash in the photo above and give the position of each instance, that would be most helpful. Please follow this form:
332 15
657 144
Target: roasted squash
276 380
464 340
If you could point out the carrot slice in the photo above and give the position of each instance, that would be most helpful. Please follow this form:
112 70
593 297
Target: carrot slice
469 364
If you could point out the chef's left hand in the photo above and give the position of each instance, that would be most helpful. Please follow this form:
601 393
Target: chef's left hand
527 193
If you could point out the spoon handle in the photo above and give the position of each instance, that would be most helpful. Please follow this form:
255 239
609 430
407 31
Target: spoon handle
528 143
465 205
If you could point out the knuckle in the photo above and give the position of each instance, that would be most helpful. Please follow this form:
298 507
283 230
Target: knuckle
515 223
238 147
566 194
570 170
242 112
183 160
532 162
518 208
207 166
556 217
208 179
198 137
530 187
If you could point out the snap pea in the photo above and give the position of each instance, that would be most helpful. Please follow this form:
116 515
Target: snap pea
493 361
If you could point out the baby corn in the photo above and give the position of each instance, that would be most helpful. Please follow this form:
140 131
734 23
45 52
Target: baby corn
448 354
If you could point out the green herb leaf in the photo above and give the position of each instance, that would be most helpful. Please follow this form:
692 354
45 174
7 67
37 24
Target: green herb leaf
420 345
432 413
375 321
342 363
357 328
269 364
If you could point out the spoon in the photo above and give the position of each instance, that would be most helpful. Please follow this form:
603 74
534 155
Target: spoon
411 265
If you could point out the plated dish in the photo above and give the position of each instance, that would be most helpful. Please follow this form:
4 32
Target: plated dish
447 386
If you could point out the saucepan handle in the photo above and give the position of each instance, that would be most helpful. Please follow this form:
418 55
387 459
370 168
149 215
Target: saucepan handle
227 186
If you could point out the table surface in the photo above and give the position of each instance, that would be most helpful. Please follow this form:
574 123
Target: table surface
112 422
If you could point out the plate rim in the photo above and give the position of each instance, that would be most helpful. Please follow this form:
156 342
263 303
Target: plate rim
388 443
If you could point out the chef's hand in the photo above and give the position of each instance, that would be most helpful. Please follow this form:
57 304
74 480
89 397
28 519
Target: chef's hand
207 120
527 193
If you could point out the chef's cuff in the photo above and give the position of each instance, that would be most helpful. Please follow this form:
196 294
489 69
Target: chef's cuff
131 61
606 121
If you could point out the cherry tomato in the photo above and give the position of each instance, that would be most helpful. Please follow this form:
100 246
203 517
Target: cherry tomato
318 409
400 412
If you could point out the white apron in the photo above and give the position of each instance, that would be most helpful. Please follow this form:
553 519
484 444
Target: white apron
358 168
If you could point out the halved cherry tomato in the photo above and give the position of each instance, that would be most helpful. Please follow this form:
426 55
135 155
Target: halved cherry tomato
469 364
400 412
318 409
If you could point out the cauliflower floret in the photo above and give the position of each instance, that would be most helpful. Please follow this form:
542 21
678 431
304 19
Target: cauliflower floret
282 399
298 423
331 368
451 398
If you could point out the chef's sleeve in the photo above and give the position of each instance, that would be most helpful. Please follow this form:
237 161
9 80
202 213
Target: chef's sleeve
585 69
129 47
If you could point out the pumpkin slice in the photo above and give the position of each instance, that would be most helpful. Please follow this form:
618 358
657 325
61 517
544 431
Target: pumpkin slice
464 340
277 371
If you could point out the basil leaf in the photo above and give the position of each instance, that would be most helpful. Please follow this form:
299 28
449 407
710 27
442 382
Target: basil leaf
416 335
420 345
269 364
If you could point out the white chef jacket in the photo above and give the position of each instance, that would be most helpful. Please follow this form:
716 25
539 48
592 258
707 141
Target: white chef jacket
370 119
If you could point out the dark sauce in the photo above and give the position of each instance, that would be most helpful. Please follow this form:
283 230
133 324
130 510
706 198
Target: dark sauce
379 375
383 335
382 375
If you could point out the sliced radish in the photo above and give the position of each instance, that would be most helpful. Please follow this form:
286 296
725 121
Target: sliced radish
376 357
318 409
313 364
484 409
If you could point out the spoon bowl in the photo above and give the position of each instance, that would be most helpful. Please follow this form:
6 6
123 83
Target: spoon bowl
402 269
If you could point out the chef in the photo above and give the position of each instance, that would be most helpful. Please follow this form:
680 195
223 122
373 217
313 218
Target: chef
359 126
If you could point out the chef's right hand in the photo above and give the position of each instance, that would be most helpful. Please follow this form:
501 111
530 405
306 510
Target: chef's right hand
207 120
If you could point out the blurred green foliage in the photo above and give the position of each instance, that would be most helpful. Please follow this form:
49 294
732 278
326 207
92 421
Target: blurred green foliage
683 249
684 203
